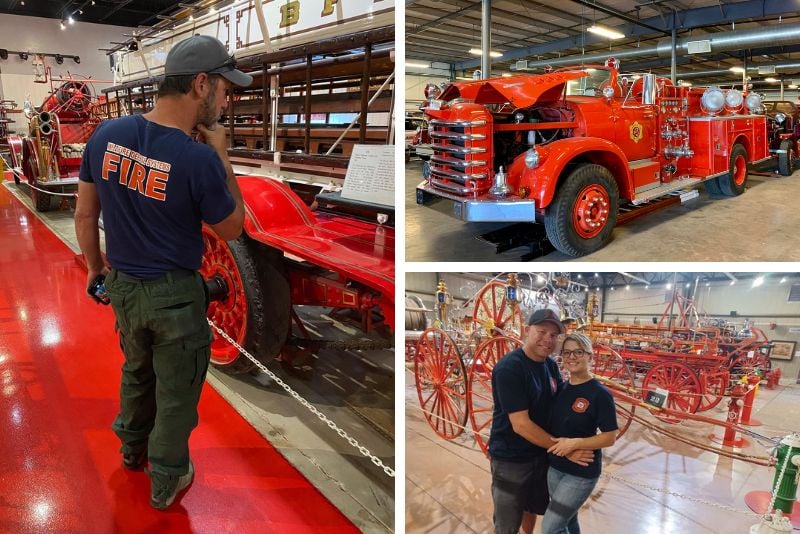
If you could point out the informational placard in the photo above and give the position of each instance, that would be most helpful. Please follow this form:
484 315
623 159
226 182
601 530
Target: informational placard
657 398
370 175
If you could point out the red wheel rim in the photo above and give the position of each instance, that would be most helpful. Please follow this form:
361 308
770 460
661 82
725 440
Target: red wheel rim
615 374
713 384
590 212
739 170
480 402
441 383
495 313
231 314
682 384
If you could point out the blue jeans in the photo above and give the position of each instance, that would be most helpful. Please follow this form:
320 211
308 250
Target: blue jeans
567 495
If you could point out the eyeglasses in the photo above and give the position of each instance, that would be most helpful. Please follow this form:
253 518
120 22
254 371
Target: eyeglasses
577 353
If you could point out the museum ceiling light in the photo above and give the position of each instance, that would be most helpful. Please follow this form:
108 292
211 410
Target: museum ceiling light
758 281
770 80
604 32
418 65
736 69
478 52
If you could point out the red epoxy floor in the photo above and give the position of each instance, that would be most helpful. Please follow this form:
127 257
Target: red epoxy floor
60 467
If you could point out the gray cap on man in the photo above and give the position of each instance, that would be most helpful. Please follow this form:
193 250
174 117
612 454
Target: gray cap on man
546 315
203 53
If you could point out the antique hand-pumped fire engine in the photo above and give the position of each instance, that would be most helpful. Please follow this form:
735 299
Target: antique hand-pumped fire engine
567 148
49 157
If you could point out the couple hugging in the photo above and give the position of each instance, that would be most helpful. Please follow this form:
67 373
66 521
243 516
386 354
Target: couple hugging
545 447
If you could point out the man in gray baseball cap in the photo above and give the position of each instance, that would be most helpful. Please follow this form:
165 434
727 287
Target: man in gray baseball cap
157 185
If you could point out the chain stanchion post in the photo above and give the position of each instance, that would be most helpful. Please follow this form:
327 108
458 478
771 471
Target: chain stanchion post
749 399
780 505
729 439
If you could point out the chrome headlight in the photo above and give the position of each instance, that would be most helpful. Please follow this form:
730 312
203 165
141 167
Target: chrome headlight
780 117
753 102
532 158
733 98
713 99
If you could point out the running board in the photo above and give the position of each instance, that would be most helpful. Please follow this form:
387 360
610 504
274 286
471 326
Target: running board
662 190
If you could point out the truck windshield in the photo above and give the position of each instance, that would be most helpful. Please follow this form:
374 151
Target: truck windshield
592 85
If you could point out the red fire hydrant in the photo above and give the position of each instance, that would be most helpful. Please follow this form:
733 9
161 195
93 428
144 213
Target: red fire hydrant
773 378
734 411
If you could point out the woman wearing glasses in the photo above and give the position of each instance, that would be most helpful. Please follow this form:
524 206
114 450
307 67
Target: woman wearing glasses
582 407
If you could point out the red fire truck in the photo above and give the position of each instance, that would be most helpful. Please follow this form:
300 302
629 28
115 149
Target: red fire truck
49 157
570 147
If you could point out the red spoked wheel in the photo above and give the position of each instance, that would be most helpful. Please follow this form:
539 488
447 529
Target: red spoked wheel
258 325
590 212
230 314
441 381
495 313
681 383
610 369
480 403
745 364
713 384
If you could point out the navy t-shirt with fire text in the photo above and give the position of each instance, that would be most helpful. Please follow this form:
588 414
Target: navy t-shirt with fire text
519 383
156 187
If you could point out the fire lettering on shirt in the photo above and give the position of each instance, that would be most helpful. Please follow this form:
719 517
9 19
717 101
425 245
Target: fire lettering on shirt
137 172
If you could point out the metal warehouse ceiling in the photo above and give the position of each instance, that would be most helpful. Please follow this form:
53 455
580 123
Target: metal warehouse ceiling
131 13
543 32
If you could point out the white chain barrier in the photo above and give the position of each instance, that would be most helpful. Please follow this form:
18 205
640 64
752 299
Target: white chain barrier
23 179
313 409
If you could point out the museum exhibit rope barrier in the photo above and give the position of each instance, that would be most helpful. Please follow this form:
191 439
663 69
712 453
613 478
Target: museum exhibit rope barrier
22 177
758 460
313 409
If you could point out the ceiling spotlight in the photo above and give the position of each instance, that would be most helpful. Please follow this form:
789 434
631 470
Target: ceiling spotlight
71 20
587 289
783 279
688 284
736 69
669 286
647 286
758 281
92 2
580 276
80 12
595 275
733 282
213 10
191 17
22 3
770 79
612 288
628 287
478 52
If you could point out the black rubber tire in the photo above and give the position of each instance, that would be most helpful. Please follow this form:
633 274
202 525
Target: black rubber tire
726 183
712 187
786 159
558 215
266 288
42 201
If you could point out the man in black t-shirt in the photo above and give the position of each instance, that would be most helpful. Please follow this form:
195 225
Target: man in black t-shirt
524 383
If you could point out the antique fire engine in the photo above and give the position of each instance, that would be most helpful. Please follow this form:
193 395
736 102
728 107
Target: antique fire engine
49 157
568 147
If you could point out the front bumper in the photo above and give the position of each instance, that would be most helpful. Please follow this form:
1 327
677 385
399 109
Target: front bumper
482 209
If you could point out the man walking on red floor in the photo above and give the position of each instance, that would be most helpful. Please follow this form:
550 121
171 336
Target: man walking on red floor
524 383
156 186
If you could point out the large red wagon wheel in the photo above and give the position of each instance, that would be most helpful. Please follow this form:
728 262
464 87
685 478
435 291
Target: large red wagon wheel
743 365
614 373
258 325
441 381
713 384
681 383
495 313
480 402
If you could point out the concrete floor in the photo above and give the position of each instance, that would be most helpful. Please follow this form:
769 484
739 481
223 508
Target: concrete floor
659 485
759 225
353 388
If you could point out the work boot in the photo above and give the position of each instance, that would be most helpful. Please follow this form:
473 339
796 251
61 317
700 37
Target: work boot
134 460
164 488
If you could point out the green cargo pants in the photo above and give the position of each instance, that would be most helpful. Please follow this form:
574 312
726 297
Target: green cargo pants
167 345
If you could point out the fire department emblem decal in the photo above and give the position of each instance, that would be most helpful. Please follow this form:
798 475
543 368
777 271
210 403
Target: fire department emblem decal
636 132
580 405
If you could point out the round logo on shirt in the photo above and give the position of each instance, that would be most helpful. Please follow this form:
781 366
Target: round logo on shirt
580 405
